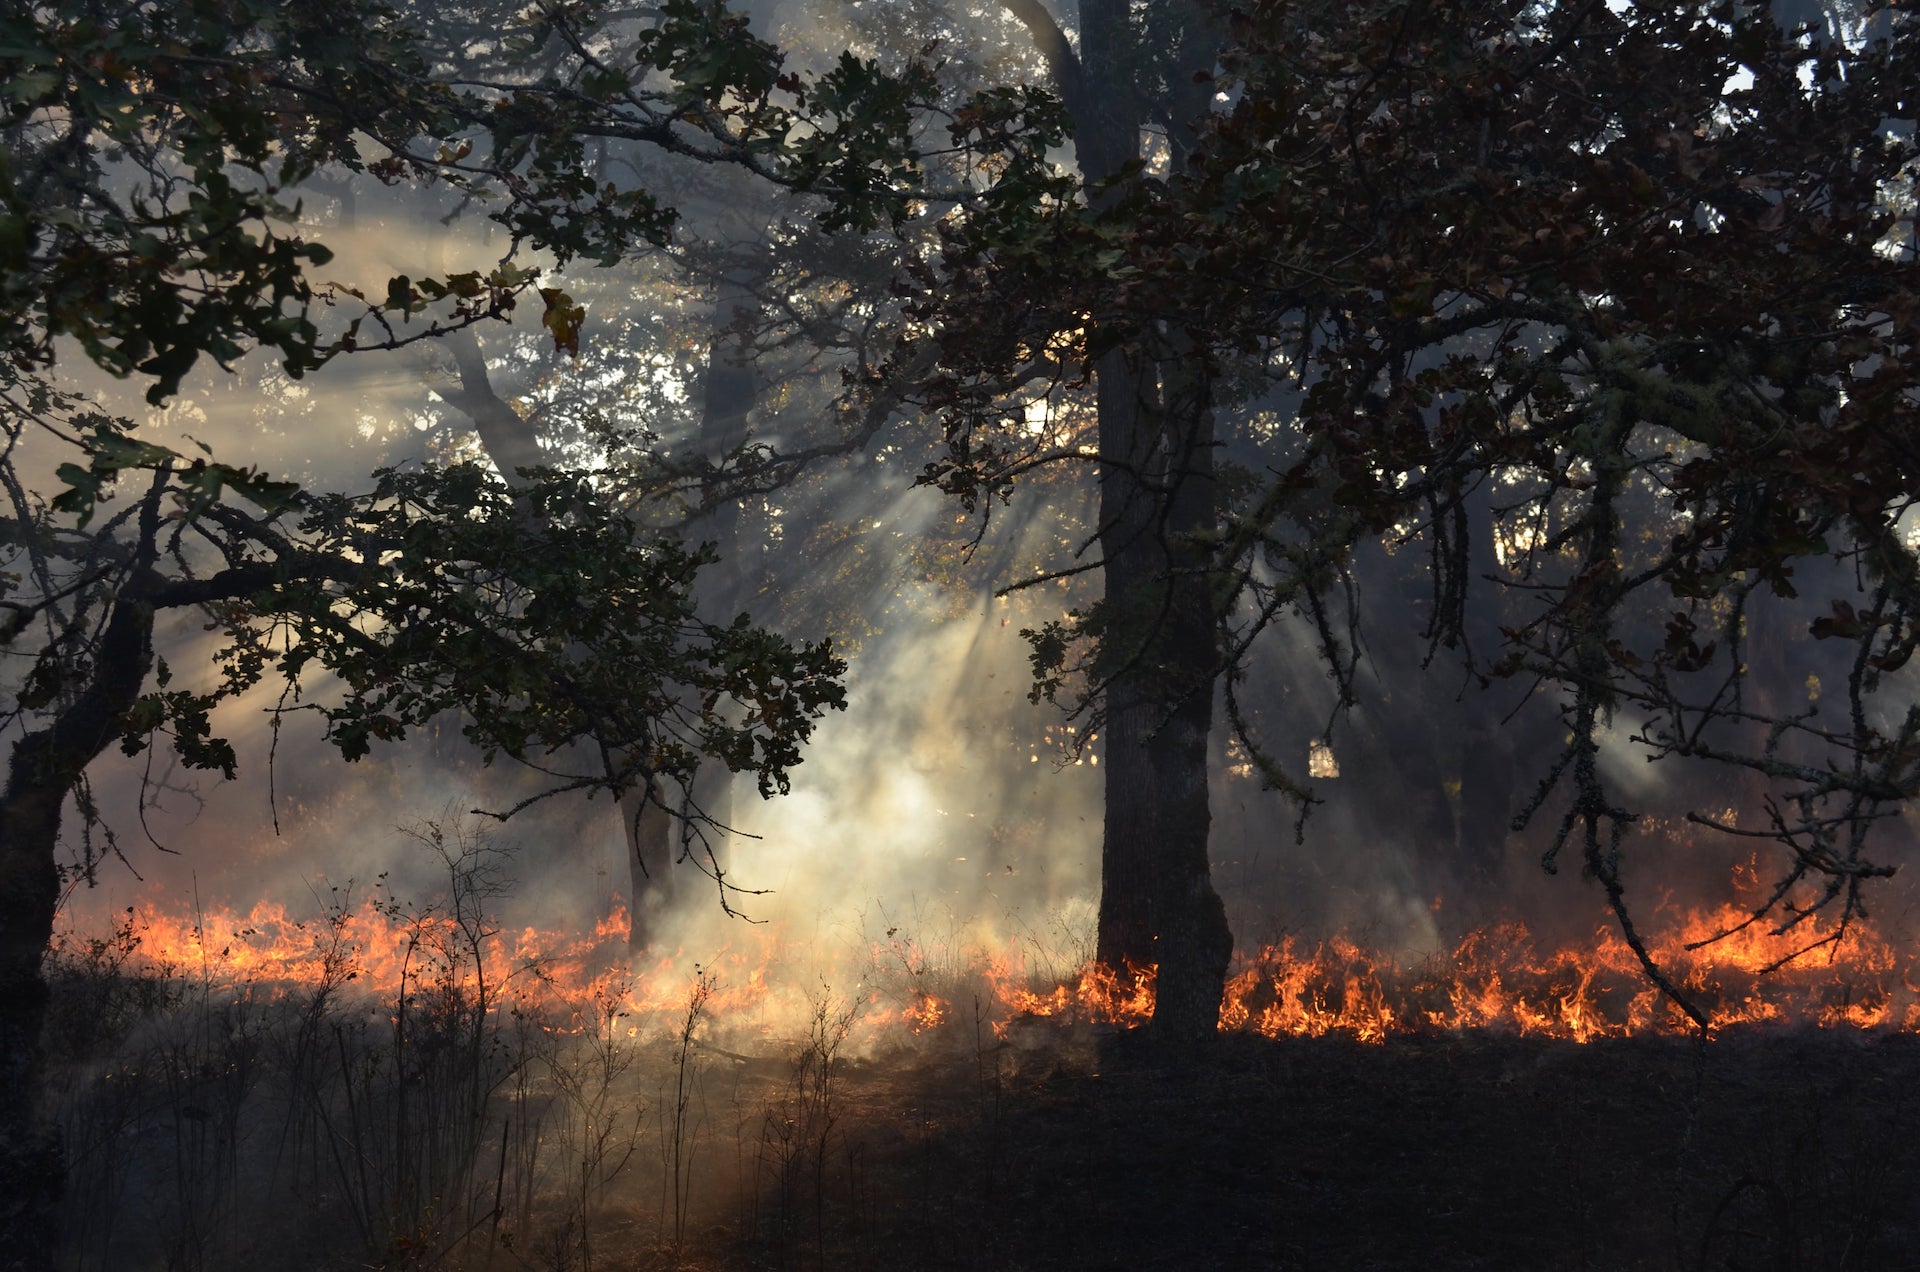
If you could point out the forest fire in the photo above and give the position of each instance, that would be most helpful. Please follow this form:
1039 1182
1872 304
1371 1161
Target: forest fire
1499 977
913 470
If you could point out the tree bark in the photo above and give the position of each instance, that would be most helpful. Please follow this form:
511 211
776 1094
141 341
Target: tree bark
30 1166
647 822
1487 768
43 769
504 433
1159 649
1157 901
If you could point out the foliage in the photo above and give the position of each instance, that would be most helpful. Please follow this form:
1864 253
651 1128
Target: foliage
1638 282
150 178
153 155
539 614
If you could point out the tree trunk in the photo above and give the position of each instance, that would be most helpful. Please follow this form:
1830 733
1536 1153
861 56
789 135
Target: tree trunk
504 434
43 770
1487 776
1158 903
1159 650
30 1166
651 844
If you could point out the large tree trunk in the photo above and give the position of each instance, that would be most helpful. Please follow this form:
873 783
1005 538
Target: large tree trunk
651 845
29 890
1487 766
1157 902
1130 839
504 433
1159 660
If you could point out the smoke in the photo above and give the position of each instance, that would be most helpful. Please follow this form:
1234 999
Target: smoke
929 813
941 799
925 792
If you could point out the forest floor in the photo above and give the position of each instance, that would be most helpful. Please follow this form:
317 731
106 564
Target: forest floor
1758 1152
220 1136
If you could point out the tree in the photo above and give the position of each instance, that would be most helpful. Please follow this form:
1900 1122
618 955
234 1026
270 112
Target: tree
148 213
1671 288
1151 685
794 306
1552 294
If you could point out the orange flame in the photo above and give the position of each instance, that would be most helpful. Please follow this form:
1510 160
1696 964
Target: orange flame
1496 978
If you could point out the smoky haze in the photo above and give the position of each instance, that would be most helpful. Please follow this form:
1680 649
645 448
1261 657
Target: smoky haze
941 794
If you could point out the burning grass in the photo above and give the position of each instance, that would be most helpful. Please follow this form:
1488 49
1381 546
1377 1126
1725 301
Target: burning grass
218 1136
1497 977
411 1085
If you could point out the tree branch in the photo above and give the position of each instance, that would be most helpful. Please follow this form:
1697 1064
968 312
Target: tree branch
1052 44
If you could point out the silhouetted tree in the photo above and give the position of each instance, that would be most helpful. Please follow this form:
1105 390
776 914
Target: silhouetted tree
1629 294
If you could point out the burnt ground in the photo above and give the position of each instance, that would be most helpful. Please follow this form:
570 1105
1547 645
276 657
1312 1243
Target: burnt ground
1061 1147
1754 1153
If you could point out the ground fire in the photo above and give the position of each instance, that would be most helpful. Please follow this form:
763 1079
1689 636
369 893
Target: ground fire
1499 977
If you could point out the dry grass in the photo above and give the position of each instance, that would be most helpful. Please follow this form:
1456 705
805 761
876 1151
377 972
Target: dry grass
1062 1149
409 1126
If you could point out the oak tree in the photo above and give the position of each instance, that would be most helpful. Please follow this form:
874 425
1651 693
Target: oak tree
1608 311
150 218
